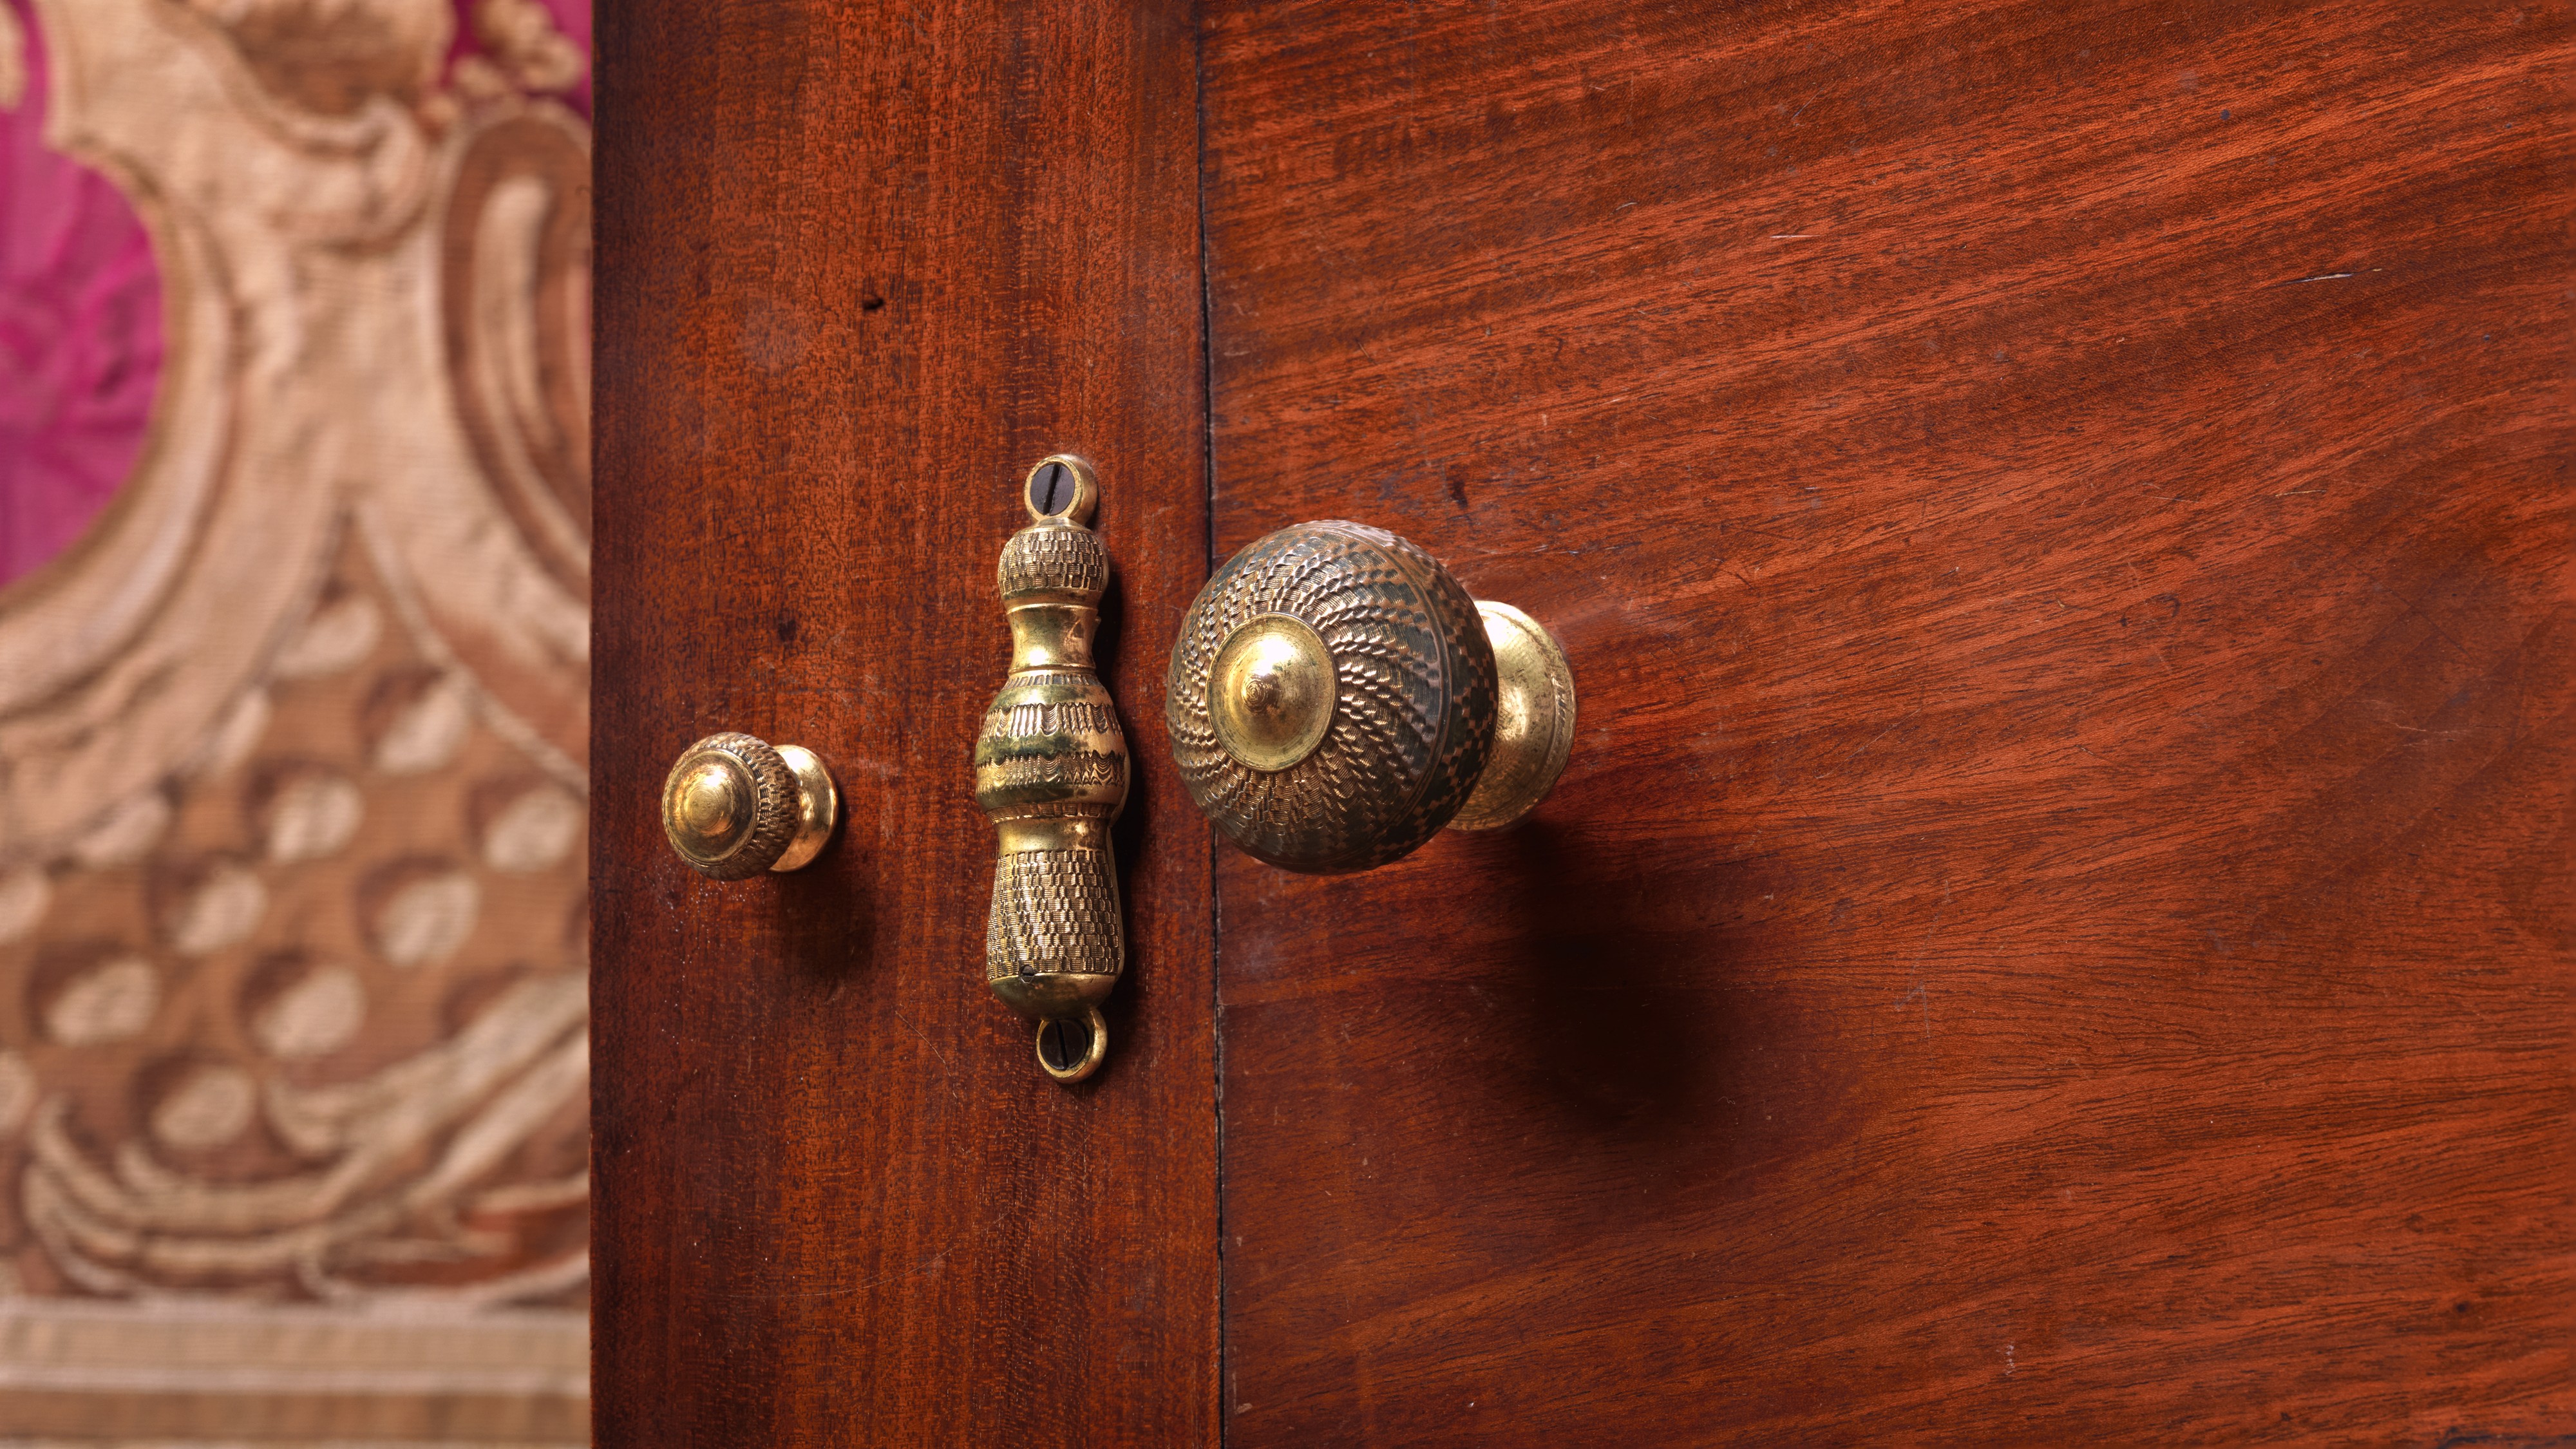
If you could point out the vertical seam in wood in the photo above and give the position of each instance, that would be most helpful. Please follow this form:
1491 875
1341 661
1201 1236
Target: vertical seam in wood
1207 565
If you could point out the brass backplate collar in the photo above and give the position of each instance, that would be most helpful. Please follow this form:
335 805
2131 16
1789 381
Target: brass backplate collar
818 805
1533 720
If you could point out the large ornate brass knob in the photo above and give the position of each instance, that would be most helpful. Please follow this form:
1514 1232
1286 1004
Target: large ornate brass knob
735 806
1336 697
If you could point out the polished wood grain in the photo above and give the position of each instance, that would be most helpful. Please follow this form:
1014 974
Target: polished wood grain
859 266
2058 927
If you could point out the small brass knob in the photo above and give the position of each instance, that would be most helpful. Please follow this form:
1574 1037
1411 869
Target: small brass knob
735 806
1336 697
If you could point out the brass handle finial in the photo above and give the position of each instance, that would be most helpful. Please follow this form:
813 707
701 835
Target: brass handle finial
1336 697
735 806
1051 771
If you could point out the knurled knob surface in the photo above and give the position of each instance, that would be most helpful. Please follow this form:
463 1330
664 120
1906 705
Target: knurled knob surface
734 806
1331 698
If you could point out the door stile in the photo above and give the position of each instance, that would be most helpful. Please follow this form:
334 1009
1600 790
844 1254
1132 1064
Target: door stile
858 267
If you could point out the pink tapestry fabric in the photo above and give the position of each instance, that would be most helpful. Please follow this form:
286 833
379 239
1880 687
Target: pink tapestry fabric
294 580
570 19
80 332
80 307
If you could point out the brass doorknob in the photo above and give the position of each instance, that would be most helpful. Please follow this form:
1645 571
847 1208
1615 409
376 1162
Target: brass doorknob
735 806
1336 697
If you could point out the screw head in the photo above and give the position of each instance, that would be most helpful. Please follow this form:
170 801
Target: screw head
1061 486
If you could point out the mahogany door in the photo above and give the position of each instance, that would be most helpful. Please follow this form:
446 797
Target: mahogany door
2058 922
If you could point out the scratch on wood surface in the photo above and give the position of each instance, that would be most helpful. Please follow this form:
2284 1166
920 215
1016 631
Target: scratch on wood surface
955 1088
1883 734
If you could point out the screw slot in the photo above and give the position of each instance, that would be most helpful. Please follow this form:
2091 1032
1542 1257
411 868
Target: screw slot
1050 482
1071 1047
1061 486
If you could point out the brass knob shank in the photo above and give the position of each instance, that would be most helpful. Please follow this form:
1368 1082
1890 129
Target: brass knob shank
1533 720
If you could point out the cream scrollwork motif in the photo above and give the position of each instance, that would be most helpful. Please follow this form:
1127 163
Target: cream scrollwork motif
292 742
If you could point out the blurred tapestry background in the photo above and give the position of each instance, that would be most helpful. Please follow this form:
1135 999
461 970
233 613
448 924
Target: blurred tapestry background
294 536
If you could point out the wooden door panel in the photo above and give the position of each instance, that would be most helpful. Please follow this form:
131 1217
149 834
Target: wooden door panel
2057 922
859 266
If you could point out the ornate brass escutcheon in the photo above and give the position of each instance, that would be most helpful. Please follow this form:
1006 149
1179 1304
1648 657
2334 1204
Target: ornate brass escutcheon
735 805
1336 697
1051 771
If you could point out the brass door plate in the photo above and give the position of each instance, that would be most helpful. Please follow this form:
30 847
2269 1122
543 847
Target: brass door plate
1051 773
